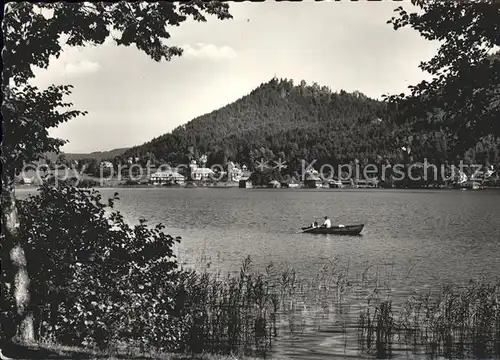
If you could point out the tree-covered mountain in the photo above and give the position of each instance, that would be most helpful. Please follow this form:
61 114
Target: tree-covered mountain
294 122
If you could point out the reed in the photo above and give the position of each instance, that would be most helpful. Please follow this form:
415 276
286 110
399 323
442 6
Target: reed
224 315
243 313
453 323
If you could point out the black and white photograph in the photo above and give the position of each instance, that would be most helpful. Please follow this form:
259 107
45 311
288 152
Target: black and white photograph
238 180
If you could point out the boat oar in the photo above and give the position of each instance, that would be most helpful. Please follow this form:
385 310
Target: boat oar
301 231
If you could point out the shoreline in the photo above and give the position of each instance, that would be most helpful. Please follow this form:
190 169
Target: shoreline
120 186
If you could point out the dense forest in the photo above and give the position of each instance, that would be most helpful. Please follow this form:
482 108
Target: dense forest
294 122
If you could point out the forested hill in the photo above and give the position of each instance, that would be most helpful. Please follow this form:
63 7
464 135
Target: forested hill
292 122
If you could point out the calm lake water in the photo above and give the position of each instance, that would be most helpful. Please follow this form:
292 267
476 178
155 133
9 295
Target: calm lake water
421 239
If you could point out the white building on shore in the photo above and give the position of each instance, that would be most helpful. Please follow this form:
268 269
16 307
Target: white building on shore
167 177
199 174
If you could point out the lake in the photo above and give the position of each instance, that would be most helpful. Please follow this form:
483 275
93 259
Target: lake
421 239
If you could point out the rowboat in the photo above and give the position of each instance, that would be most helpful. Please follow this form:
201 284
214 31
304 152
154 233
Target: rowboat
335 230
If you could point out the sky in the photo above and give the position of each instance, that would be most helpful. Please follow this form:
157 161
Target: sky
131 99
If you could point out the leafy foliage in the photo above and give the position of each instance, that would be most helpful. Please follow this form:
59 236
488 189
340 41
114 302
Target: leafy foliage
32 30
28 114
463 98
95 278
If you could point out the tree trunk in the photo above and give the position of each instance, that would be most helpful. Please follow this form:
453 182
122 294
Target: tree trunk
15 279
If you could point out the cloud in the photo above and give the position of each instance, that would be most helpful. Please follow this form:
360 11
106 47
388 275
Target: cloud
81 67
209 51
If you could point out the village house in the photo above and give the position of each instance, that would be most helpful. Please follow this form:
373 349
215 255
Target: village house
106 164
461 178
335 184
167 177
274 184
313 181
470 184
244 181
290 182
245 184
199 174
367 183
27 180
493 179
237 173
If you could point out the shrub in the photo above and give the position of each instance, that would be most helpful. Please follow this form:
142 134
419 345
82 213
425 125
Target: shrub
94 278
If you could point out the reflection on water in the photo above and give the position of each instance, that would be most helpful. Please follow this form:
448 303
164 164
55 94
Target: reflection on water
412 241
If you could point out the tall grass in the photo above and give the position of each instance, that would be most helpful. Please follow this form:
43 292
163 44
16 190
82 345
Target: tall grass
225 315
243 313
454 323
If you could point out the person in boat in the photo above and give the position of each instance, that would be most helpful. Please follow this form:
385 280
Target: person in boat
327 223
312 226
